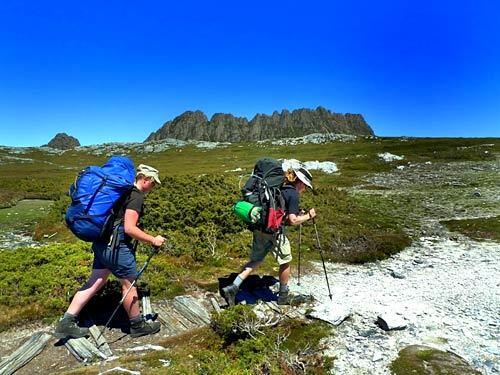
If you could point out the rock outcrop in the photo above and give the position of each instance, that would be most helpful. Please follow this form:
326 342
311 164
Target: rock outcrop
62 141
228 128
421 359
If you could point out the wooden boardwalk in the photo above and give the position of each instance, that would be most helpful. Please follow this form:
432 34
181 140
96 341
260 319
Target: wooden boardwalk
24 353
181 314
176 316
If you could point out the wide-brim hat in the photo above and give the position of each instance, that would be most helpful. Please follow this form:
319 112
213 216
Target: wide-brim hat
148 171
304 175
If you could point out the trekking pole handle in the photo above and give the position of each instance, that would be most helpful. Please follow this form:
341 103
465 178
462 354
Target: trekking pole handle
312 217
157 248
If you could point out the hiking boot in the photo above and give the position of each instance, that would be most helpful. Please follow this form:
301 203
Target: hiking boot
143 328
229 294
285 298
67 327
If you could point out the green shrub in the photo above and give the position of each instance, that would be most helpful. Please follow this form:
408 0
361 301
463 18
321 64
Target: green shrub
353 229
234 324
195 215
31 187
42 278
189 201
8 198
271 349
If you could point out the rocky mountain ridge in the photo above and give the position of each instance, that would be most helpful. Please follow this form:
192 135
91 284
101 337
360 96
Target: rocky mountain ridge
223 127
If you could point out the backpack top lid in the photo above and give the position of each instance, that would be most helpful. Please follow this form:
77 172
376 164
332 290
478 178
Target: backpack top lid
270 170
120 168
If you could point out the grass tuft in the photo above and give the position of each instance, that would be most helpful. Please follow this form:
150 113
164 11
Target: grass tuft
478 229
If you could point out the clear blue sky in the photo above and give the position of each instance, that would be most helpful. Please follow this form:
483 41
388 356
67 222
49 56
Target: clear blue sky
117 70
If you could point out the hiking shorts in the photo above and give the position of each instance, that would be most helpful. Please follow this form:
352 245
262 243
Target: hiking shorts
121 261
264 243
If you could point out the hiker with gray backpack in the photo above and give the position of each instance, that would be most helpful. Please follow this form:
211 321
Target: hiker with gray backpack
271 199
107 204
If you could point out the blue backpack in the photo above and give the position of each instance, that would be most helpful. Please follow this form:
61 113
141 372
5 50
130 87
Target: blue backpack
94 194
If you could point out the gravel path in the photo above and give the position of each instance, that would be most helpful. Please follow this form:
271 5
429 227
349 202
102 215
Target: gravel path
447 290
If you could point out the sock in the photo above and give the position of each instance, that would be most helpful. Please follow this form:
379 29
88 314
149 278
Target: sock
283 288
238 281
69 316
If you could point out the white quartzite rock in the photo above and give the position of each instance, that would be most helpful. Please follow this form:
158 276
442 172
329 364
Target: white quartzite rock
330 312
389 321
324 166
387 156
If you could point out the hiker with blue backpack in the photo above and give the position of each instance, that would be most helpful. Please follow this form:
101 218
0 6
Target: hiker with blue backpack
107 204
271 199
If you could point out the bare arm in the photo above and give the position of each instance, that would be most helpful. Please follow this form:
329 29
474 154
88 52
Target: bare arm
130 226
302 217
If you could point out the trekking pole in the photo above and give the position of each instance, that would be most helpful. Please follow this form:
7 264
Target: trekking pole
322 259
155 250
300 244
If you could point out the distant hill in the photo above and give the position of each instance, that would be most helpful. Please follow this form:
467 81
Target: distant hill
62 141
222 127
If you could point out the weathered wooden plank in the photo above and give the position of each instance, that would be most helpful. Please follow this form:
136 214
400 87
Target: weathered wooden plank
288 311
84 350
215 304
188 323
264 312
179 319
196 305
100 340
25 353
170 325
192 309
274 306
187 314
166 324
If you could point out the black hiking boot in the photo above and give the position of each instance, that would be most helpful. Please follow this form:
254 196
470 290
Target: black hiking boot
67 327
143 328
286 298
229 294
